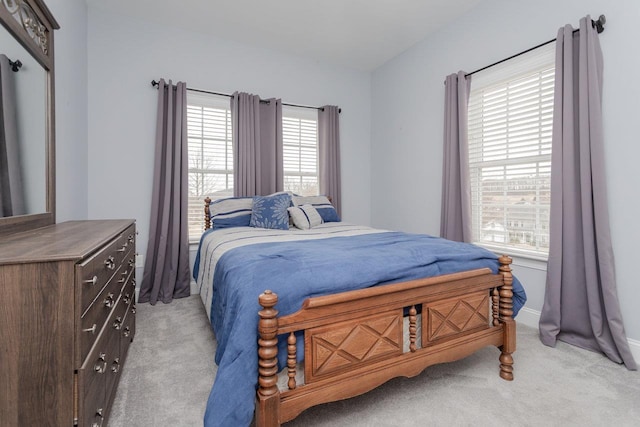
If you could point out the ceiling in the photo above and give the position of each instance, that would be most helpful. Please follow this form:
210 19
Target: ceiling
359 34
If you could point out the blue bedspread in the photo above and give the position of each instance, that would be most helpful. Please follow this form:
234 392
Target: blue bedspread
299 270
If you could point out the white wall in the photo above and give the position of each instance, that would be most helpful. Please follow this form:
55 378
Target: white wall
407 120
125 54
71 108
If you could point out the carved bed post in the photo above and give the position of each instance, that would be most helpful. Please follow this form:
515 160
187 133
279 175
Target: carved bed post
505 310
495 306
207 214
291 361
413 328
268 396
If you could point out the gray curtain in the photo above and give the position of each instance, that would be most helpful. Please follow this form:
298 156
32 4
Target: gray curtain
581 303
455 219
166 270
329 154
11 188
257 145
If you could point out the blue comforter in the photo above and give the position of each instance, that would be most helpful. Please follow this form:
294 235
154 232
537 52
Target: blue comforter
302 269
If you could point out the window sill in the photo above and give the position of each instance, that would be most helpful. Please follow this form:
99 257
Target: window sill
520 258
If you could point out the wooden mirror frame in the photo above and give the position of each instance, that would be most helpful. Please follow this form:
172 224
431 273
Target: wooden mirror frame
35 34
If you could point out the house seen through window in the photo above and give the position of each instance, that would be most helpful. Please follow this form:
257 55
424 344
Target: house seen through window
510 125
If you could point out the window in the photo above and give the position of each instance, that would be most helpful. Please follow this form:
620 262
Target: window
210 155
510 124
300 150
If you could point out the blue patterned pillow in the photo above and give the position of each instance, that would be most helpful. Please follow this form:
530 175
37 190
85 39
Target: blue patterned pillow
271 211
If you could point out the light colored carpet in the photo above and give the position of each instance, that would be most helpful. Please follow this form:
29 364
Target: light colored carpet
169 371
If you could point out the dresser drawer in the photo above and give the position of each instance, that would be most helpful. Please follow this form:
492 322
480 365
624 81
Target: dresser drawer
95 317
116 322
114 360
128 329
94 273
129 290
92 385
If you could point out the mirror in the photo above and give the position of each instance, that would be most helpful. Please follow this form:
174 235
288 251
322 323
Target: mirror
27 155
23 149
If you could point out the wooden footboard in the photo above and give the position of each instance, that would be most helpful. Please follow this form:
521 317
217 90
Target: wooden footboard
353 340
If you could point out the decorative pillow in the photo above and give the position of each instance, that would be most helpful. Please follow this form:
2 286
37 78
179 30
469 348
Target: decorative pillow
290 193
271 211
322 205
305 217
231 212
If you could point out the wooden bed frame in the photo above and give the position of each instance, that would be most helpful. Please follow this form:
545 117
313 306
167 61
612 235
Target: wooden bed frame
353 341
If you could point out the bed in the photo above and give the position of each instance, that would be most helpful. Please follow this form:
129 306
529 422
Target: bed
304 317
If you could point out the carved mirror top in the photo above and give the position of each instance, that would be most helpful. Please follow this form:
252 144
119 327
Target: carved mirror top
24 14
31 23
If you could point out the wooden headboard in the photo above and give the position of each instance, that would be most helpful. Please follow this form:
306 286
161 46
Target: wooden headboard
207 215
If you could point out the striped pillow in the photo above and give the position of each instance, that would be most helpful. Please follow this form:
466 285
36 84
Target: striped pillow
305 217
231 212
322 205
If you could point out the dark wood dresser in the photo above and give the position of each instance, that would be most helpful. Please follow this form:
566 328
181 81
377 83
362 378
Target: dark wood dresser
67 317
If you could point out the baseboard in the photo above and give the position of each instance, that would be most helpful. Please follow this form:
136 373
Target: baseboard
529 317
634 346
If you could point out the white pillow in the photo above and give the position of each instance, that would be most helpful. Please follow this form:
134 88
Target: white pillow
305 217
322 205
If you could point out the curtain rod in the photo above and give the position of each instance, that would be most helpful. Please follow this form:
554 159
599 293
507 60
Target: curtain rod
15 65
157 84
599 26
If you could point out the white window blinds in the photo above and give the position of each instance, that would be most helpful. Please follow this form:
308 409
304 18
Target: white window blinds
210 155
300 150
510 123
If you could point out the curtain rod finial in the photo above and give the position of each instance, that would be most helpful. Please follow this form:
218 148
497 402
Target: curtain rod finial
155 83
599 24
15 65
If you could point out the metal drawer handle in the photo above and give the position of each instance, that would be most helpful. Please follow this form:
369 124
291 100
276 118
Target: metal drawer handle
115 367
126 332
117 324
101 361
133 309
126 299
123 248
130 238
110 263
91 329
131 262
109 301
98 414
93 280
